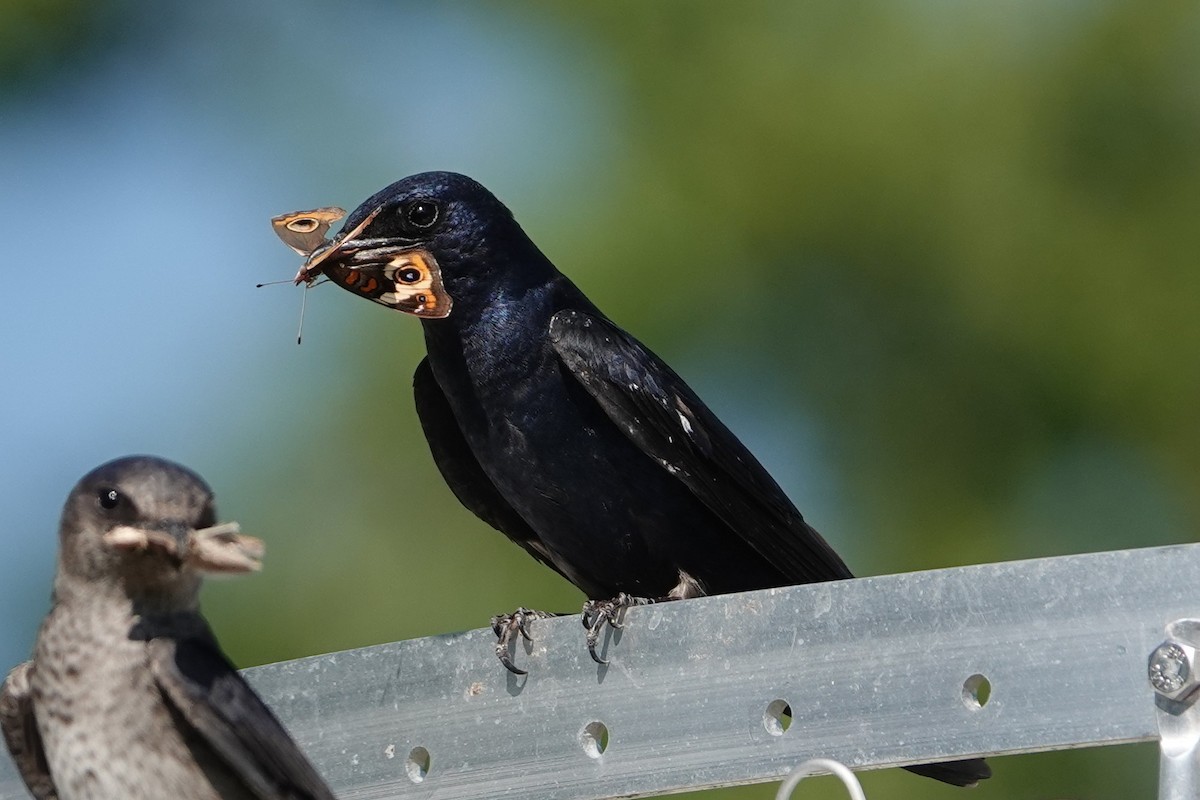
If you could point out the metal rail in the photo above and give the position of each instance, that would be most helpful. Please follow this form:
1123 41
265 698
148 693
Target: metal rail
875 672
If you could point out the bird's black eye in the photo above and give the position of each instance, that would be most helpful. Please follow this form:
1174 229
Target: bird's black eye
409 275
109 498
421 213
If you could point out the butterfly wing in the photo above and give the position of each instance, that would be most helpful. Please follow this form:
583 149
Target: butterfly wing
408 280
304 231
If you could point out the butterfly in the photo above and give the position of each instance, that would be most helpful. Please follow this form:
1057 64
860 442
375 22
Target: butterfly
405 279
304 231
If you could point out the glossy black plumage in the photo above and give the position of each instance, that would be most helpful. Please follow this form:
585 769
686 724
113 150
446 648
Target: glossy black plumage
564 432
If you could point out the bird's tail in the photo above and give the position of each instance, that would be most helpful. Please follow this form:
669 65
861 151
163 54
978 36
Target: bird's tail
959 773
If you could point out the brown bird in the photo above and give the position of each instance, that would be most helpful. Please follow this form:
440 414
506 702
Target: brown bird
128 694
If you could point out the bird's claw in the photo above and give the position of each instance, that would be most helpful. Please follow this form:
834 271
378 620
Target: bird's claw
598 613
506 625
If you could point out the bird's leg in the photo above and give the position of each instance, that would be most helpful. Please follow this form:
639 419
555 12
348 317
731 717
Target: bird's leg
597 613
506 626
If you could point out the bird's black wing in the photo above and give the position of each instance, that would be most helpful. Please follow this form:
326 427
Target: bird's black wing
461 470
21 733
229 717
659 413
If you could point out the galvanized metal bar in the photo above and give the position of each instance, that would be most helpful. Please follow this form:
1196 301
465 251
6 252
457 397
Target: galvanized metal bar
875 672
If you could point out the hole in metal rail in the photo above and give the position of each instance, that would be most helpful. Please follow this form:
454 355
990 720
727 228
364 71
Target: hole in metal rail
594 738
417 765
976 691
778 717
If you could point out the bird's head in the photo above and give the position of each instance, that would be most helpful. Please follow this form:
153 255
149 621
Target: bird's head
419 246
148 525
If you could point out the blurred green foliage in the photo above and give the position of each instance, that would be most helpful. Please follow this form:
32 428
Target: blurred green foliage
43 39
959 240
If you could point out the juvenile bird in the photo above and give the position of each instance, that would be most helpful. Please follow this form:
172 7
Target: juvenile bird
554 425
128 694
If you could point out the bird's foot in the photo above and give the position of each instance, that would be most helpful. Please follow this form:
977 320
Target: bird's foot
507 626
598 613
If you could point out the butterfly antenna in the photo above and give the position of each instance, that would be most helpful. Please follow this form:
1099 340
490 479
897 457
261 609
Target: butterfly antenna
303 305
272 283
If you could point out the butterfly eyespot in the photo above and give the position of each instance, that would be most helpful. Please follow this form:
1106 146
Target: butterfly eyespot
109 498
408 275
303 225
421 213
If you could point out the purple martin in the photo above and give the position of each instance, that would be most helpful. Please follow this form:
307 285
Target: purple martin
128 694
554 425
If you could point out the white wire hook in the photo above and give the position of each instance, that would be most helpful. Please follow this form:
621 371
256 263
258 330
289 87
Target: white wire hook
816 766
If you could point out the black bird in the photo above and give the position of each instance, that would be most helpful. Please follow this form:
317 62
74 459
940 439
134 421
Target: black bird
557 427
128 694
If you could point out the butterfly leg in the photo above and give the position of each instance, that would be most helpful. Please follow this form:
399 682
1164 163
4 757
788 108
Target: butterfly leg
598 613
508 626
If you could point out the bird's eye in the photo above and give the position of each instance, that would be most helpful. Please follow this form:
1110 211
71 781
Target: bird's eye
421 213
409 275
109 498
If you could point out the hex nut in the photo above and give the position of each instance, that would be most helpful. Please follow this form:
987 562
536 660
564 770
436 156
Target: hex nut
1173 670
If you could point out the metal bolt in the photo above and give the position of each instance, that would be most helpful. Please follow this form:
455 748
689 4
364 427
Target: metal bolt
1172 670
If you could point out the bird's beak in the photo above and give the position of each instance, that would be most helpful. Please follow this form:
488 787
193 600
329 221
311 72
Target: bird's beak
169 539
219 550
334 251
